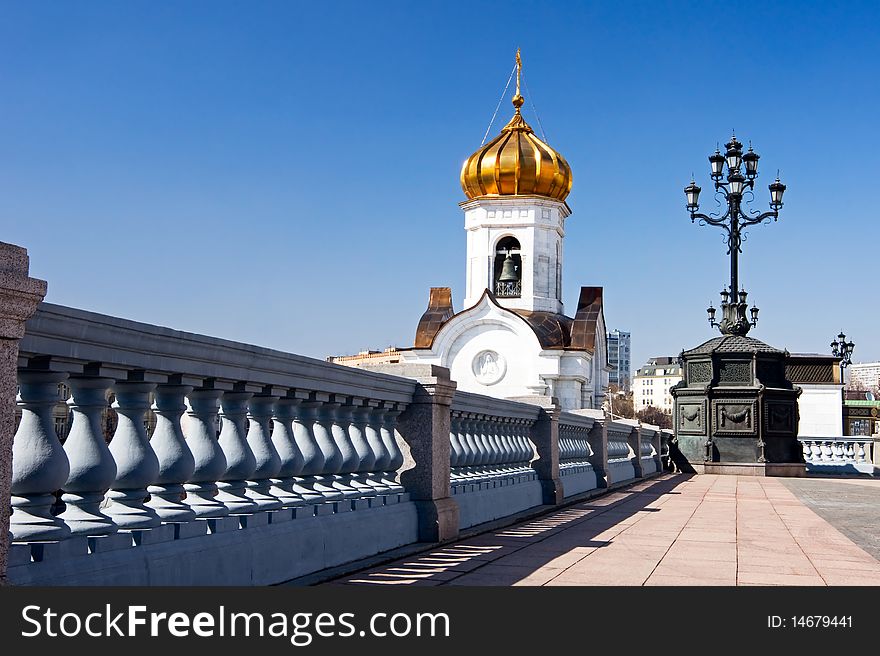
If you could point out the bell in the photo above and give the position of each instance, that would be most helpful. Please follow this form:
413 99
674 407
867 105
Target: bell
508 270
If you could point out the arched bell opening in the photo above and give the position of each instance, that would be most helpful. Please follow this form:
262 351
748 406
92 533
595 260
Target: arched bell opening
507 273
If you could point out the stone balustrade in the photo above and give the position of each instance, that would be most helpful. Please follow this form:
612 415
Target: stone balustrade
298 439
490 457
840 455
576 454
624 450
227 463
650 448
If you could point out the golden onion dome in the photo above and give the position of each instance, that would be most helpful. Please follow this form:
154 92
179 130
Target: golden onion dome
516 162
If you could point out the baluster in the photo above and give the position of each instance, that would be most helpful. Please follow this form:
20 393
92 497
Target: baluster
571 446
519 447
496 455
456 454
92 469
136 463
358 415
588 450
482 443
240 460
308 484
284 441
564 447
849 454
479 447
176 461
39 464
388 432
860 452
808 451
200 430
318 421
837 449
340 422
377 446
260 488
469 446
826 451
507 451
529 448
498 426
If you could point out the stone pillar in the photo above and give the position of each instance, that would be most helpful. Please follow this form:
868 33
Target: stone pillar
598 439
545 435
424 426
19 297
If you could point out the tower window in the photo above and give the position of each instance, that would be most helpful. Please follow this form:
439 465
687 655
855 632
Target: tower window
507 279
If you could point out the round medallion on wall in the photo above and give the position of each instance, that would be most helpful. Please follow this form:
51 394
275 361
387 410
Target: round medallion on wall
489 367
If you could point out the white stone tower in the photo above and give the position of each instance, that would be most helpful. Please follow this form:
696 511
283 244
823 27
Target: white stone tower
516 187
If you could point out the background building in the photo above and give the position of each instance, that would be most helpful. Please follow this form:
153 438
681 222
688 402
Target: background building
390 355
651 384
618 360
820 404
864 376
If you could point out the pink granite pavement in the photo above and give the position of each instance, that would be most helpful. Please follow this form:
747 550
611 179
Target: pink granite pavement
671 530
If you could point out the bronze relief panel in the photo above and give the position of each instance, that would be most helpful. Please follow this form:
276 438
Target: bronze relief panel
734 416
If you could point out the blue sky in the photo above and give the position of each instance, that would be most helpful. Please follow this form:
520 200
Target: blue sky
286 173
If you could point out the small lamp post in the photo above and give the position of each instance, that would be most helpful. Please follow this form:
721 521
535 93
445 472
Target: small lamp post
840 348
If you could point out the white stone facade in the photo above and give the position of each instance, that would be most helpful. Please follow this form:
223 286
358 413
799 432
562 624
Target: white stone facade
820 407
495 352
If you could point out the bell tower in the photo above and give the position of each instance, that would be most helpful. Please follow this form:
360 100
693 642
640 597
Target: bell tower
515 217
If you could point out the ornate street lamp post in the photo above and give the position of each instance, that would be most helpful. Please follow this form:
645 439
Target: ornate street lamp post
733 187
840 348
735 409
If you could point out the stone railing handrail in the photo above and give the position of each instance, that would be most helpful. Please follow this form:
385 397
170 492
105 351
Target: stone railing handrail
489 405
572 419
838 438
79 336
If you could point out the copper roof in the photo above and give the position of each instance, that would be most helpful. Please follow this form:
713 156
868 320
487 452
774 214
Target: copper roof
439 312
586 319
554 331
